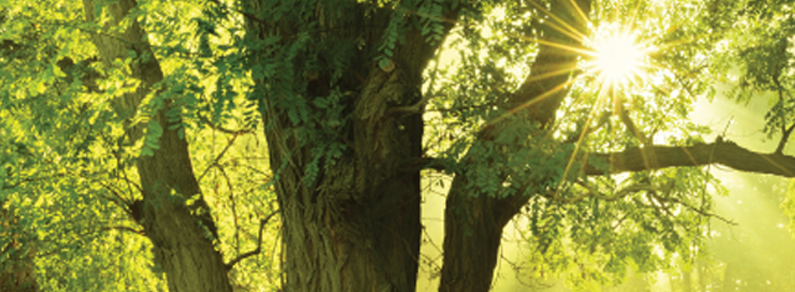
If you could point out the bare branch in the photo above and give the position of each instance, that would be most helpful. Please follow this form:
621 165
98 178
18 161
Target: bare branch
694 209
259 243
219 156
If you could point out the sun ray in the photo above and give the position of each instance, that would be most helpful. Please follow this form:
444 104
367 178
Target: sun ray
563 26
549 74
531 102
565 47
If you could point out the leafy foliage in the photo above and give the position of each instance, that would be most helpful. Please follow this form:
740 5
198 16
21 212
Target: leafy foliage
67 172
67 187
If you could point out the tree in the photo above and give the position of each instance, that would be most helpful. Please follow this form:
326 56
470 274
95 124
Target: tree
355 107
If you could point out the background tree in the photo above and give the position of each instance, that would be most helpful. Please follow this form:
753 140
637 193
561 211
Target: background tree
70 165
607 169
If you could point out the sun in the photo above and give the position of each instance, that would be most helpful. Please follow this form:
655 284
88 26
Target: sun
616 58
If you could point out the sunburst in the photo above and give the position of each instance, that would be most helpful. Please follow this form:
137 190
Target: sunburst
617 58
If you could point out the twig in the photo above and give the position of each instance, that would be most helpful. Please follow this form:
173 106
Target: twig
461 108
697 210
785 132
222 129
218 157
232 200
592 192
259 243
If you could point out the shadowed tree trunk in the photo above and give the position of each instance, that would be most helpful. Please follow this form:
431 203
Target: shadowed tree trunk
183 242
353 224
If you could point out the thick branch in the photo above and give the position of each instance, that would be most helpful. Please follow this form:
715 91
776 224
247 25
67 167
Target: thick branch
722 152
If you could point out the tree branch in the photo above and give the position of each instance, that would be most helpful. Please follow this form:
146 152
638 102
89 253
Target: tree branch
222 129
722 152
219 156
785 132
414 108
592 192
259 243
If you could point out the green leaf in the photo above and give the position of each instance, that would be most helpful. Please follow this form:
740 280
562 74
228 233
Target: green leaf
154 129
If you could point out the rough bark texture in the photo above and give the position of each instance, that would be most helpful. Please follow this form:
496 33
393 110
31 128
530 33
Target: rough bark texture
356 226
473 219
182 242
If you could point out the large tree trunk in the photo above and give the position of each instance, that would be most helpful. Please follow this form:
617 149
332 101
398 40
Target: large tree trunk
183 242
357 226
352 224
337 239
474 219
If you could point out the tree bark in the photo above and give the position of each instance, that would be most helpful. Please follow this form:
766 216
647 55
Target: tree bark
183 242
473 219
472 236
355 224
